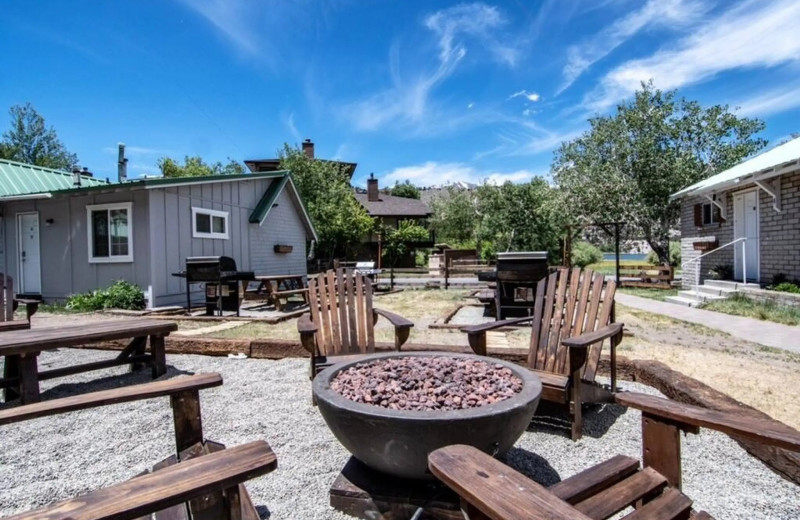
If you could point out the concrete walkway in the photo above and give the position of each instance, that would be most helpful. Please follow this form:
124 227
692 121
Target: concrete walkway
762 332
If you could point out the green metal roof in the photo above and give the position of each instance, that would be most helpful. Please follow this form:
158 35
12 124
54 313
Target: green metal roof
26 179
268 199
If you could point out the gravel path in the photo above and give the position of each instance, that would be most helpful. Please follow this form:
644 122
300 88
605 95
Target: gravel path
49 459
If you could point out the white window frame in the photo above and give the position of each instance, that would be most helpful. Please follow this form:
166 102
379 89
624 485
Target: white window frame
713 214
128 206
211 213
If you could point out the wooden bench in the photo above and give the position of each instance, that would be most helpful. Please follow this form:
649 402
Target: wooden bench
208 477
9 303
285 285
21 349
651 276
491 490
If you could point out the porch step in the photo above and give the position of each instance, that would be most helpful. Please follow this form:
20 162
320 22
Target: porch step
727 284
716 291
700 296
680 300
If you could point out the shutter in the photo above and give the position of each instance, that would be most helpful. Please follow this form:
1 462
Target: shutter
698 215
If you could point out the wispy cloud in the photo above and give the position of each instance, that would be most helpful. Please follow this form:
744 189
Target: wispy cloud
435 173
233 18
408 101
755 34
770 102
530 96
655 13
290 125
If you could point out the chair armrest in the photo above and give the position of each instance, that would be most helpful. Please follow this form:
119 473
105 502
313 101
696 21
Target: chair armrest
483 327
107 397
166 487
395 319
589 338
494 489
690 417
307 330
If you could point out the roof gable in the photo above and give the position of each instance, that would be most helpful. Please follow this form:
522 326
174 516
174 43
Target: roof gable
264 205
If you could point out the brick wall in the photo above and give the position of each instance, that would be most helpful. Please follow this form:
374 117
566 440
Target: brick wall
779 234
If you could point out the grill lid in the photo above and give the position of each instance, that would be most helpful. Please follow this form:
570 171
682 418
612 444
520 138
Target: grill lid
522 255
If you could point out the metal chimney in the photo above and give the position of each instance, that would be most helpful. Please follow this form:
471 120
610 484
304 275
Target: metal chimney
76 176
122 164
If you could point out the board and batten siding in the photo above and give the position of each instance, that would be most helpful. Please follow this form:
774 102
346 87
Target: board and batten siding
250 245
64 244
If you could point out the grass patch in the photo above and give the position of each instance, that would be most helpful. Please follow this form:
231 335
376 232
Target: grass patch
741 305
653 294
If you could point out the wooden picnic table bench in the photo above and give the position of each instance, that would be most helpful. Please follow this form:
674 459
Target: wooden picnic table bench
646 275
21 348
285 285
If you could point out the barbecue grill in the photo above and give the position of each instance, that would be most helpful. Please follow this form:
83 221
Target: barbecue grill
223 291
516 275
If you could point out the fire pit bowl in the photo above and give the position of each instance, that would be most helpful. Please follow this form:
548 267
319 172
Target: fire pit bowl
397 442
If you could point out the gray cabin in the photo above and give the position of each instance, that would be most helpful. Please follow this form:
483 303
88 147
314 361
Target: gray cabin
65 233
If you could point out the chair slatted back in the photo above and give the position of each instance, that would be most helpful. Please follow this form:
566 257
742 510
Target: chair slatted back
568 303
341 307
6 298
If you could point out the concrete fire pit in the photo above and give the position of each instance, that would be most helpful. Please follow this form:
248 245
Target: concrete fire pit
397 442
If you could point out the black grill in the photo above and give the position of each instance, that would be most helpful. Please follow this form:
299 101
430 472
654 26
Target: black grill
223 291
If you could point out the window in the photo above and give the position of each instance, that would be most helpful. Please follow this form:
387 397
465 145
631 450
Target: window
710 214
209 223
110 237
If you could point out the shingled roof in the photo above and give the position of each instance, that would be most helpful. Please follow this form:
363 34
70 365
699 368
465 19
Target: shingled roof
391 206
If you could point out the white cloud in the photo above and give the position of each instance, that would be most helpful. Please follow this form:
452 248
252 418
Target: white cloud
434 173
756 34
655 13
233 18
470 105
407 102
771 102
530 96
292 127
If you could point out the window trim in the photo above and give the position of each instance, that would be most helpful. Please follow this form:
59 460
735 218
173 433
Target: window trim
212 213
128 206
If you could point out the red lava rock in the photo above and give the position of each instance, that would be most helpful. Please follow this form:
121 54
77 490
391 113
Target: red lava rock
427 383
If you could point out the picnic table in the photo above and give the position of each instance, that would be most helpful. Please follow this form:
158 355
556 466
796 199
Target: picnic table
21 348
277 288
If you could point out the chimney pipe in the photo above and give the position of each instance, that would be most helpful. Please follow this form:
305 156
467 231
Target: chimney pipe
122 164
372 188
86 172
76 176
308 148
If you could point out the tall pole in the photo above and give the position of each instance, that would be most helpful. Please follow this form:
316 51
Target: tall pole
616 247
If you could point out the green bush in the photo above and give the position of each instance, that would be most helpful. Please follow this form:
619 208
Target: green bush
120 295
674 255
584 253
721 272
786 287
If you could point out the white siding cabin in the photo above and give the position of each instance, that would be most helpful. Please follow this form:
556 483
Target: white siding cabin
756 204
59 239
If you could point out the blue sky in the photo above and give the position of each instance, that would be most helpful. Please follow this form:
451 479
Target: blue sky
420 90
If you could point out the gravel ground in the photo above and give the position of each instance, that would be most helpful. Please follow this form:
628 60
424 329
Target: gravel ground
50 459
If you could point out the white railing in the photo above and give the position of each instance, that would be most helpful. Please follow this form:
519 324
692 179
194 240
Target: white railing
743 240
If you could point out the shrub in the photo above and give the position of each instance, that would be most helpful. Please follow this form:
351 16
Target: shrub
786 287
721 272
120 295
584 253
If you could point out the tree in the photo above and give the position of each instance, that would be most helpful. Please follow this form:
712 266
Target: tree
196 167
397 241
406 190
625 167
455 216
30 141
324 186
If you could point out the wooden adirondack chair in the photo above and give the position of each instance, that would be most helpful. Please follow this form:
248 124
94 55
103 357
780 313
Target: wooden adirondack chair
8 304
572 318
342 318
203 479
491 490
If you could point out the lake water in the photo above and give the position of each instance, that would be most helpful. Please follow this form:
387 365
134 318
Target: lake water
610 257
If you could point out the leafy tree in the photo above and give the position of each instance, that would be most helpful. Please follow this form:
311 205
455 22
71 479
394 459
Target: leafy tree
196 167
397 241
340 221
625 167
455 216
30 141
406 190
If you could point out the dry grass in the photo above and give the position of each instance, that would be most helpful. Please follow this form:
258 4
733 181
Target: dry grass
755 375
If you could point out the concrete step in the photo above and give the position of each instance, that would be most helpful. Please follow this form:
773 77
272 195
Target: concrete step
730 284
699 296
680 300
716 291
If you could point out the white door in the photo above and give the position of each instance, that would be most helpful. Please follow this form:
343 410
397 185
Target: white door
30 273
745 225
